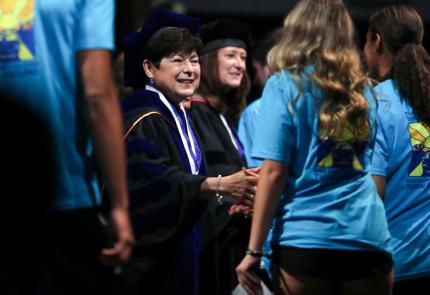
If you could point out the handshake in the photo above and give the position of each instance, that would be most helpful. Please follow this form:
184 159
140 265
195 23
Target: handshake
243 186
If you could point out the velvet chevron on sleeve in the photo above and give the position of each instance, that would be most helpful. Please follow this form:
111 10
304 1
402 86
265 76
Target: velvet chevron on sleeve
165 203
163 197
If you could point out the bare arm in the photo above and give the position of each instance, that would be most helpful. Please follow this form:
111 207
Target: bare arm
104 121
272 181
380 184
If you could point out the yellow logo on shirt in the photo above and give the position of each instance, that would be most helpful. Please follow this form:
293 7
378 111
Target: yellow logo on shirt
420 142
16 30
345 152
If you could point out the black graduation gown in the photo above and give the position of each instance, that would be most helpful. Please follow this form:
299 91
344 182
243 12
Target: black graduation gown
165 208
224 238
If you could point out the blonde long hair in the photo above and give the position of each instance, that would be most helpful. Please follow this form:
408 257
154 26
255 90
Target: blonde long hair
321 33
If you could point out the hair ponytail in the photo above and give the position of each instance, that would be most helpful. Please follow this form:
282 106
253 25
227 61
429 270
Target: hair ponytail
411 71
402 32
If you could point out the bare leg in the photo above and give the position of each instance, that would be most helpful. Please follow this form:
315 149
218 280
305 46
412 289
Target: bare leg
382 285
286 284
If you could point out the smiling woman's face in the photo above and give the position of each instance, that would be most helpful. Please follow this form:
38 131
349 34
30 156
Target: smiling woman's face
231 66
178 75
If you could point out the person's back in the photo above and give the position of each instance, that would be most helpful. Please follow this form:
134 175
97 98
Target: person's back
401 156
330 234
246 130
249 116
395 55
55 60
325 175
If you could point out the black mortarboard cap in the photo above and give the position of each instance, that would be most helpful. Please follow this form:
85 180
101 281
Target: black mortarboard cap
134 43
225 32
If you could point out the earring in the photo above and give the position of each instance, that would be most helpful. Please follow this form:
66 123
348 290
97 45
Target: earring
151 80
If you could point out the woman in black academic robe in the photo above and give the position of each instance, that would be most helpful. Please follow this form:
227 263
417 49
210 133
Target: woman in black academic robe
167 180
214 112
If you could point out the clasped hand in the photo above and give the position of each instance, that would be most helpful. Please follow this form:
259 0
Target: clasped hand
242 187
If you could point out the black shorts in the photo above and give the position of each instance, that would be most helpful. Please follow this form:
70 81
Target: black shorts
329 264
412 286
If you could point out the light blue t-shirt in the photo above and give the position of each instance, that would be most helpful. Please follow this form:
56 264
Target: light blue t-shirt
38 66
402 155
330 200
246 131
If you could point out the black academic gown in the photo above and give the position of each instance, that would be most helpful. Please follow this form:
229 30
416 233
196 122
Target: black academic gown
224 238
164 201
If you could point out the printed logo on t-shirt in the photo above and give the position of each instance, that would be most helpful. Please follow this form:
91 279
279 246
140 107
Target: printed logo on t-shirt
17 42
16 30
420 142
343 153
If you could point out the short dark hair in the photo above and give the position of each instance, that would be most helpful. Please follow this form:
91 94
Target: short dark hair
168 41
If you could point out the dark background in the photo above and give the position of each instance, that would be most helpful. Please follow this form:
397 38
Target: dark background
261 15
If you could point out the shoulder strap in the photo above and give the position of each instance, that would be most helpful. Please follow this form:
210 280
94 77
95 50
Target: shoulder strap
137 122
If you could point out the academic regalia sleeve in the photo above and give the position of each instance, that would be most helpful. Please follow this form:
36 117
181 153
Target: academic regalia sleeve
224 237
221 155
164 199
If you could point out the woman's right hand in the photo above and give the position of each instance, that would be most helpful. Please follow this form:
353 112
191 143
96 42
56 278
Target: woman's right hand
241 186
246 275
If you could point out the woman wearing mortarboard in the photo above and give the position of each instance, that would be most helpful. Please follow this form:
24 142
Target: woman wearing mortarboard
166 170
214 112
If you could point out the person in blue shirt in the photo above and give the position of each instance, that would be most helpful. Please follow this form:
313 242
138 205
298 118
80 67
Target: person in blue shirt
55 61
248 117
330 233
246 129
400 165
248 121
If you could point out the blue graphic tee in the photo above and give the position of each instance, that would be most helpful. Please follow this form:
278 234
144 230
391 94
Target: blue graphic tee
330 200
246 131
39 41
401 155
